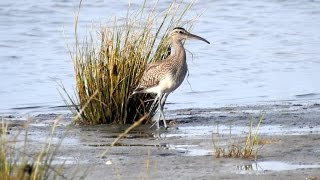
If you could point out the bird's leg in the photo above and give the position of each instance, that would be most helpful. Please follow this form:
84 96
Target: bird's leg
154 103
157 99
162 101
161 96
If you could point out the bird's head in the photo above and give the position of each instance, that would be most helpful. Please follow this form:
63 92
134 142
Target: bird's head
180 34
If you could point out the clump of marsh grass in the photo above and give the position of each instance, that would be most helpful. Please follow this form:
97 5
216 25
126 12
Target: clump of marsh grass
240 148
17 162
110 60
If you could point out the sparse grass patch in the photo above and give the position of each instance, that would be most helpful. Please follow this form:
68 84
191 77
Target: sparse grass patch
240 148
110 60
18 162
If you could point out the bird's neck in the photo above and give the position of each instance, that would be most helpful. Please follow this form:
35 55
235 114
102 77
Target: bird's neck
179 52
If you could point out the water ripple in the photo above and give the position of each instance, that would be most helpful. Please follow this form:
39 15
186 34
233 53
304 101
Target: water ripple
260 51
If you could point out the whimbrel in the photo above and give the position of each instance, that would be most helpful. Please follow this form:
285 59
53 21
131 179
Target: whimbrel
163 77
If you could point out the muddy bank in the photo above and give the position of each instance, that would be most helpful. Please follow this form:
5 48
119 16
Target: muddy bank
290 132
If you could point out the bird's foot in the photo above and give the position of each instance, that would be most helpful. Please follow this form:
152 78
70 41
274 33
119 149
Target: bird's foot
158 126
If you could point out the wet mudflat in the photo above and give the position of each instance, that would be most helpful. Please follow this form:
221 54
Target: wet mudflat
290 150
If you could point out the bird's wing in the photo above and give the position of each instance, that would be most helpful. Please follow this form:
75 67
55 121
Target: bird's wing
153 65
153 74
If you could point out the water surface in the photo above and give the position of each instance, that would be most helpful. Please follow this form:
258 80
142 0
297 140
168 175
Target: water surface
260 52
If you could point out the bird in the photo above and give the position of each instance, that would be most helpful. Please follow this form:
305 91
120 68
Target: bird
164 76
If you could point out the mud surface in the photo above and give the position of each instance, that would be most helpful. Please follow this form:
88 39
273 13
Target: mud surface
289 148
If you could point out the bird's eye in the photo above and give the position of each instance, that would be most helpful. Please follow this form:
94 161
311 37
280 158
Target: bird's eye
180 32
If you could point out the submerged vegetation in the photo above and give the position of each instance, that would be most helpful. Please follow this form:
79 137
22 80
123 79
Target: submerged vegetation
110 60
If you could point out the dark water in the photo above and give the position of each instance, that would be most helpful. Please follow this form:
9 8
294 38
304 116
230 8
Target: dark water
261 52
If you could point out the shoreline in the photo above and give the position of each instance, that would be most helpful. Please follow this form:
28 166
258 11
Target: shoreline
291 133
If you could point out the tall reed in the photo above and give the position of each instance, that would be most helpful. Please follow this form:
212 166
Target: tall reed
110 60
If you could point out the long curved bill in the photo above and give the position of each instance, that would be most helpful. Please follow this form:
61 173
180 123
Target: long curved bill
197 37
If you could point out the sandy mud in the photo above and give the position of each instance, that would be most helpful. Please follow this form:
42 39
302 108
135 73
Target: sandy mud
289 149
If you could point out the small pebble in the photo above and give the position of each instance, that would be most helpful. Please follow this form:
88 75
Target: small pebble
109 162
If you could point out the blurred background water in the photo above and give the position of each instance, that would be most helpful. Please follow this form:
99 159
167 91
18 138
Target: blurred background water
261 51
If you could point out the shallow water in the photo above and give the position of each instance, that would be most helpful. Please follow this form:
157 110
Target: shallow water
262 166
243 130
260 51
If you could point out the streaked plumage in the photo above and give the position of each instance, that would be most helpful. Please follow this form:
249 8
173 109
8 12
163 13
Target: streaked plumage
163 77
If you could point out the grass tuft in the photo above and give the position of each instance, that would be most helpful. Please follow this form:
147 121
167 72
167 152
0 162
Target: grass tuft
241 148
110 60
17 162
